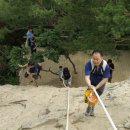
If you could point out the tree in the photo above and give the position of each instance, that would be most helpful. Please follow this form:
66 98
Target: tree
97 24
113 22
53 48
6 75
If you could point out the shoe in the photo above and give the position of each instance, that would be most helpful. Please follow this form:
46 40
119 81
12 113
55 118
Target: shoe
87 114
36 85
92 113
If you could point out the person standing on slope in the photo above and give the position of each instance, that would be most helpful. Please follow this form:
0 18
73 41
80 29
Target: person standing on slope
97 73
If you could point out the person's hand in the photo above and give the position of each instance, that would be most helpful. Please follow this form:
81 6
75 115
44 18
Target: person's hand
96 88
91 87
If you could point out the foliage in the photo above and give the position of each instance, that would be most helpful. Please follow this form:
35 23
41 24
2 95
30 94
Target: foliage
97 24
52 45
6 75
15 58
37 57
9 79
112 20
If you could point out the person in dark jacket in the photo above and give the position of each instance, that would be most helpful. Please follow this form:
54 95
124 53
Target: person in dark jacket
112 67
66 77
33 71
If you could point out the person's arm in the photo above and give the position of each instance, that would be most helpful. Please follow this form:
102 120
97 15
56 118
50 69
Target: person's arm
87 79
88 68
57 72
112 67
103 81
106 75
22 66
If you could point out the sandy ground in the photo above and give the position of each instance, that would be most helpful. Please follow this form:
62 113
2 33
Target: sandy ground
44 108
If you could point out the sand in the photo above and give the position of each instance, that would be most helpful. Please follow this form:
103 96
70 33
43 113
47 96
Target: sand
44 108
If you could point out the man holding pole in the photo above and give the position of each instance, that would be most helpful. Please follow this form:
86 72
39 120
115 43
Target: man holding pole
97 73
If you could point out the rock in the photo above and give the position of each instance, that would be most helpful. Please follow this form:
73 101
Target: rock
127 125
120 126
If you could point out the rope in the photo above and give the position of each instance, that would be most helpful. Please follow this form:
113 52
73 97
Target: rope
68 95
105 110
67 121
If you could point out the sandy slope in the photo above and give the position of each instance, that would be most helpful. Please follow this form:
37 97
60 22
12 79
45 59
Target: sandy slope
44 108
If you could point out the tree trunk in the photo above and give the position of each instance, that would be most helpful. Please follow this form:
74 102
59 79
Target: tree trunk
75 71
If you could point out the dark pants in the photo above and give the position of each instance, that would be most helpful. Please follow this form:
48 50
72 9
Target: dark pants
109 79
33 50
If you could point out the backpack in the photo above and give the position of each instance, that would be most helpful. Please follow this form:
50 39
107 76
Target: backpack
66 75
104 64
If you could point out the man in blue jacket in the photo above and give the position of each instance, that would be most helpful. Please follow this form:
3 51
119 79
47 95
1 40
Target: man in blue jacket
97 73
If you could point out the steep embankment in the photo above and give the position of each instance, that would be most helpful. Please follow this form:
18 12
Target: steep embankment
44 108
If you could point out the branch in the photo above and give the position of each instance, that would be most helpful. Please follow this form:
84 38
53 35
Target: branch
122 40
75 71
49 70
127 13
